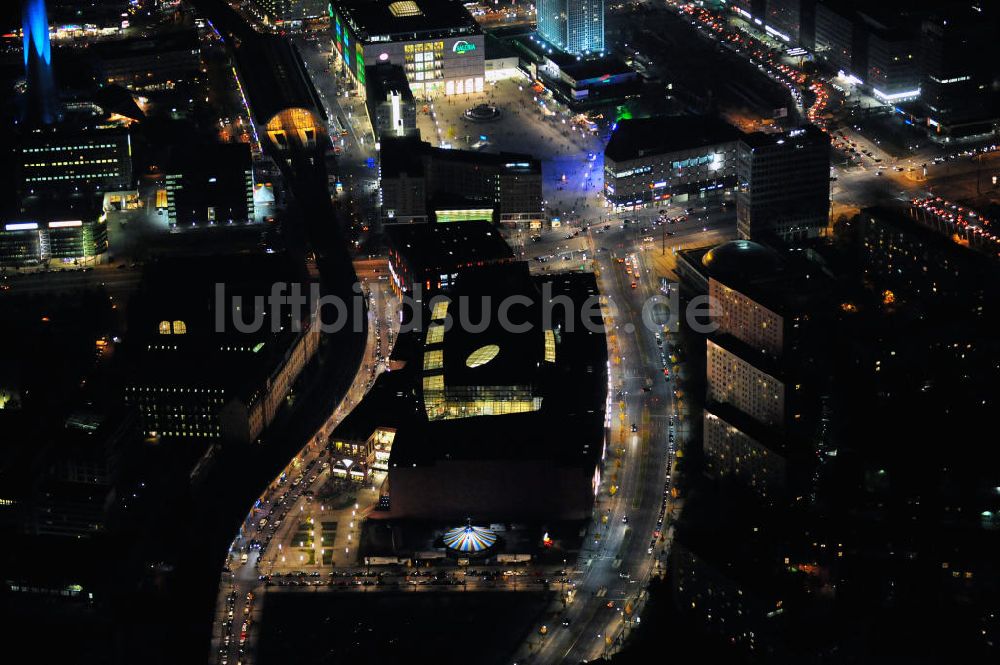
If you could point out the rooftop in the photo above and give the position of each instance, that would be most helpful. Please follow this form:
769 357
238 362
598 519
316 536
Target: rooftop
385 78
569 426
787 283
498 48
637 138
151 44
494 354
398 20
805 135
179 337
741 260
406 154
275 77
594 68
208 158
445 247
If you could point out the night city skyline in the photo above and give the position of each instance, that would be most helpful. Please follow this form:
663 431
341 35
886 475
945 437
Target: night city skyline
406 331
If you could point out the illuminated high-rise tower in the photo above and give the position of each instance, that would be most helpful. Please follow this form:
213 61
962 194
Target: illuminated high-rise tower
42 106
574 26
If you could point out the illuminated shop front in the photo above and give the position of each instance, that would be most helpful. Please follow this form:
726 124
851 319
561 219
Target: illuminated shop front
689 158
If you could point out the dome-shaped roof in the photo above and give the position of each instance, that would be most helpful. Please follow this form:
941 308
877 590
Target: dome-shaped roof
743 259
469 539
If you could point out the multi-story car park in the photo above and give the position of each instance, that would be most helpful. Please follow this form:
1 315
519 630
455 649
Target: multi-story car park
679 159
30 242
438 44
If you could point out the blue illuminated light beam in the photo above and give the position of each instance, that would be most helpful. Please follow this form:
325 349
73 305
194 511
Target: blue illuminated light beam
35 25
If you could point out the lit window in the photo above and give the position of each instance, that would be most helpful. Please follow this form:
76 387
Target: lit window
433 360
550 346
435 334
482 355
180 328
432 383
164 327
440 310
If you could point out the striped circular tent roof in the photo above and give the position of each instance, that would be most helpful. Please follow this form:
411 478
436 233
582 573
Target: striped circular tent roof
469 539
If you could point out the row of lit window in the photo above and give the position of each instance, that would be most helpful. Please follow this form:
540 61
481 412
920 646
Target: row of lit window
147 389
82 176
425 76
79 162
153 410
152 407
194 426
175 328
423 46
70 147
421 57
423 67
213 435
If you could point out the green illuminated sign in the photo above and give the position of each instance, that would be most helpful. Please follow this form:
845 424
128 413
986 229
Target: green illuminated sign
463 46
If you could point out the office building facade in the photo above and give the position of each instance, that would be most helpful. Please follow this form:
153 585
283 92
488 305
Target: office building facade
958 50
893 65
752 10
784 20
573 26
784 184
56 163
835 36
